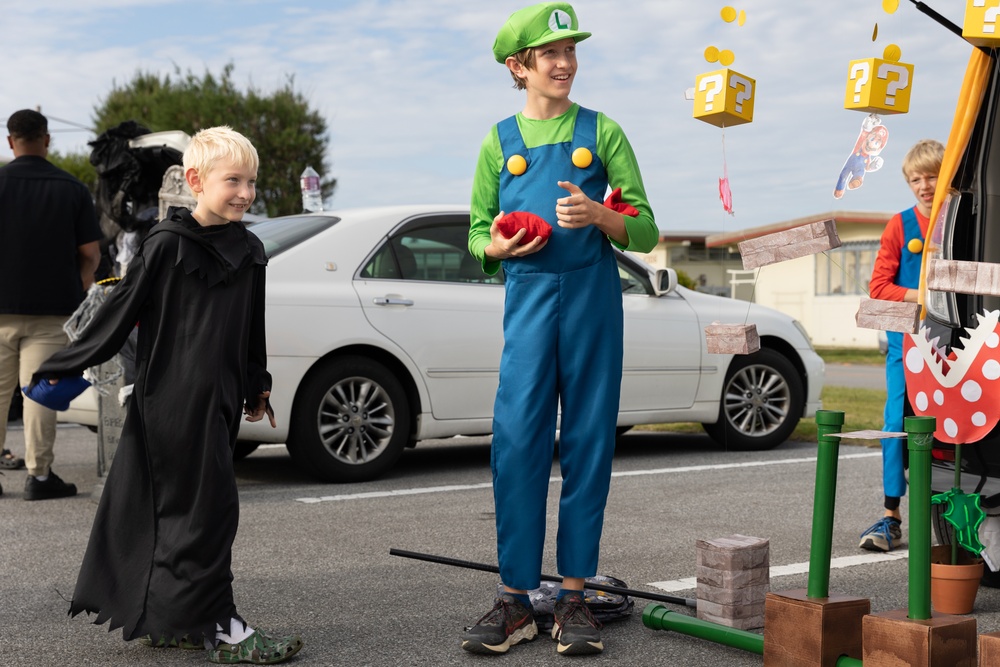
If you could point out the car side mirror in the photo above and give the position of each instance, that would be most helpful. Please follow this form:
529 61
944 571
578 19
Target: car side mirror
664 281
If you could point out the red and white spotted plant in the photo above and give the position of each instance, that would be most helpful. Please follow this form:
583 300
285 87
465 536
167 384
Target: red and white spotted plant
962 389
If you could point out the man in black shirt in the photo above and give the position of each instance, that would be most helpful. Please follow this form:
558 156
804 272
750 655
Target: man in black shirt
48 254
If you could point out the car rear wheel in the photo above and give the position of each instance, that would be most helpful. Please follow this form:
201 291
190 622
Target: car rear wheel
762 401
350 421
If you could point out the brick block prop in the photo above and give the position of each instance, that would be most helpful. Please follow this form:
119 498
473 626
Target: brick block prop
800 631
989 648
816 237
891 639
733 580
732 338
888 315
948 275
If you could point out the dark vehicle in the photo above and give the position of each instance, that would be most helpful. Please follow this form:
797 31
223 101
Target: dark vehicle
968 228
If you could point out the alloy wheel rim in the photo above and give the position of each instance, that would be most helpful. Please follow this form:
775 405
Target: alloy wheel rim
356 420
757 400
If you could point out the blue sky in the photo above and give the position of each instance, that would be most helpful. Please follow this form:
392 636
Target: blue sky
409 87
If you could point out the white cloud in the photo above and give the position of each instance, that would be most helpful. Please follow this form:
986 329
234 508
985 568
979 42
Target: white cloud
410 88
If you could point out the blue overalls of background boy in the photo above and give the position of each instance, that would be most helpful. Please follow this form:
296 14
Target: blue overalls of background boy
893 477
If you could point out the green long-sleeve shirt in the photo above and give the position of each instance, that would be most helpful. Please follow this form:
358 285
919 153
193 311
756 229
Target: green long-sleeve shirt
614 151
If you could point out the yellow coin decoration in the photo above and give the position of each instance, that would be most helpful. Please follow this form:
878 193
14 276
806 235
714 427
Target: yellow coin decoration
728 14
582 157
712 54
516 165
892 53
915 246
742 18
890 6
875 33
726 57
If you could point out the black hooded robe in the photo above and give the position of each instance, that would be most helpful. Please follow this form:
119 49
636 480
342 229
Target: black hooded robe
158 560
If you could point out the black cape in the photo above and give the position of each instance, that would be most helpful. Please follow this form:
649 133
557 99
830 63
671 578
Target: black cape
158 560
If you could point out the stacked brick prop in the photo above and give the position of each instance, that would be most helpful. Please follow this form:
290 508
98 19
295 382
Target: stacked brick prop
732 338
733 580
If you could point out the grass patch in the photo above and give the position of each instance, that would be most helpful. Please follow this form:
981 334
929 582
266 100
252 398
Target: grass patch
848 355
862 410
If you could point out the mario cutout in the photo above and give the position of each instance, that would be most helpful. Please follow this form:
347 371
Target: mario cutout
865 156
878 86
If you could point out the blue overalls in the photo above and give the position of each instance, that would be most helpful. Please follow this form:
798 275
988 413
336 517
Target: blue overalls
893 480
563 331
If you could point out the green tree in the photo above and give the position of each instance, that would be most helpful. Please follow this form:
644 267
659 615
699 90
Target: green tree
78 164
287 134
684 280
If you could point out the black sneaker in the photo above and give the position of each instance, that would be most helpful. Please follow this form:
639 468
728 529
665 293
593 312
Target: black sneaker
508 623
575 628
53 487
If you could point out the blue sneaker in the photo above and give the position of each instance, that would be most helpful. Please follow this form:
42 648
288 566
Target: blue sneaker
880 536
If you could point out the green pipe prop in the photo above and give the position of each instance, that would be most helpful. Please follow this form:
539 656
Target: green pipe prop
821 547
920 439
956 485
658 617
848 661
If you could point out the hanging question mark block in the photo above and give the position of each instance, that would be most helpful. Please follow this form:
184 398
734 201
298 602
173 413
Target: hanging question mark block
981 22
724 98
876 85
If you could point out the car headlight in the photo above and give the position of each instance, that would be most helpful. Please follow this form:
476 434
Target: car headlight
805 334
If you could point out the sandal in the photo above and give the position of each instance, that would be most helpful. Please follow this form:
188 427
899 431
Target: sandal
10 462
257 649
184 643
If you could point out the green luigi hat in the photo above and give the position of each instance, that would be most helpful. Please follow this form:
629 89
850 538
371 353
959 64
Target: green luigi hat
536 25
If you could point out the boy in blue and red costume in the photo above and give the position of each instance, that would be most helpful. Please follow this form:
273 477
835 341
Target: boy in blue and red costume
896 277
552 163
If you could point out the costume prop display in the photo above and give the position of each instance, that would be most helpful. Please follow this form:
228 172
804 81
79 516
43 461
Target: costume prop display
951 275
56 396
619 590
864 157
789 244
885 315
875 85
981 20
512 223
956 383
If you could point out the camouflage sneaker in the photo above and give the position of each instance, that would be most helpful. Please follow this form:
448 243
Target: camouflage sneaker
257 649
575 627
508 623
185 643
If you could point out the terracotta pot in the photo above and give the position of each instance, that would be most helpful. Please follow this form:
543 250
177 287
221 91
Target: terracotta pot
954 587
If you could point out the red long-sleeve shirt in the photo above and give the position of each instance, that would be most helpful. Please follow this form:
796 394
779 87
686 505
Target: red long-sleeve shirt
883 283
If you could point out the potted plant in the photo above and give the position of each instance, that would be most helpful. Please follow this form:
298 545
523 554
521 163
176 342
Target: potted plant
956 569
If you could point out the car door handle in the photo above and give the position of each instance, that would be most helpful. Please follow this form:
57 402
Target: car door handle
389 301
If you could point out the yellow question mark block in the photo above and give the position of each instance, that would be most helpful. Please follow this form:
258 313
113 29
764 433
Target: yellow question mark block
982 22
724 98
876 85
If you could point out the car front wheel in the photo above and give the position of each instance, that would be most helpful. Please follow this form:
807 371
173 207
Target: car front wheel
762 401
350 421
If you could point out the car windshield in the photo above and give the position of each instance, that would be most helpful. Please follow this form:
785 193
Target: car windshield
280 234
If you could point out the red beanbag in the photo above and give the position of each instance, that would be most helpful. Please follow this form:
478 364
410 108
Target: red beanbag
536 226
615 203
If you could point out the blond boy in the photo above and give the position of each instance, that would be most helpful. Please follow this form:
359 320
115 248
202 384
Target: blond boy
158 561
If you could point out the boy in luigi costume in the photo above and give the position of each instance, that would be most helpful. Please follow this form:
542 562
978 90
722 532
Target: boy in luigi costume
551 166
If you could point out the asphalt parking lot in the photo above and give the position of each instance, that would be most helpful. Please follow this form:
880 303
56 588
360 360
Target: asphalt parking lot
314 558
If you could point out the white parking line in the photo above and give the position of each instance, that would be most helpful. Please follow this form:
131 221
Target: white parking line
627 473
690 583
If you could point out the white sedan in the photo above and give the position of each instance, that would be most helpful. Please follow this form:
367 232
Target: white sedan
382 330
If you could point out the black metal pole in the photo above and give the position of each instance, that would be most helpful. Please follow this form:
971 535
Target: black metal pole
444 560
